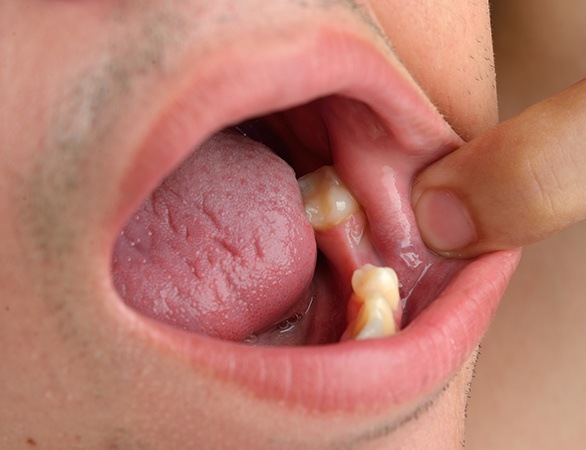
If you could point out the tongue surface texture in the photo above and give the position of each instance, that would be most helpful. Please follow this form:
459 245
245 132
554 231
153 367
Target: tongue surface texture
222 247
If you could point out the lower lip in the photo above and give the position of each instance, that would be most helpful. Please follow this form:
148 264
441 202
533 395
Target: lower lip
372 374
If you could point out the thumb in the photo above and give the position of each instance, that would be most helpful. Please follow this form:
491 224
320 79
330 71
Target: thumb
518 183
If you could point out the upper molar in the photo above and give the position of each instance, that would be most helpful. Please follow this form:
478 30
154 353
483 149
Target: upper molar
328 202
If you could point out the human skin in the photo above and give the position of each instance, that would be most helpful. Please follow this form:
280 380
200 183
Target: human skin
83 85
538 329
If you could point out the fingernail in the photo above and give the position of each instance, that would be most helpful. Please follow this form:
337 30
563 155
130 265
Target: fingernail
444 221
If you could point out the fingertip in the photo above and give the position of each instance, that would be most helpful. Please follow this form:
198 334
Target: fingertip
444 222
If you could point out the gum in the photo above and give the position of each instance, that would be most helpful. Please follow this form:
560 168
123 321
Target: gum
348 246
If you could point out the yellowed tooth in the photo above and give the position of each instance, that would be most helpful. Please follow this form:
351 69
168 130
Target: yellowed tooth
375 319
376 295
328 202
371 281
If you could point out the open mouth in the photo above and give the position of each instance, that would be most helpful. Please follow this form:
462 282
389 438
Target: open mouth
222 265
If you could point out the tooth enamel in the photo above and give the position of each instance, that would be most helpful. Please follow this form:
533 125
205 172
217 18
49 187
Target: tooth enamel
375 319
376 289
371 281
328 202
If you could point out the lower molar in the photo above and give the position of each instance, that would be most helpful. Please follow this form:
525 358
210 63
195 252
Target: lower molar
374 308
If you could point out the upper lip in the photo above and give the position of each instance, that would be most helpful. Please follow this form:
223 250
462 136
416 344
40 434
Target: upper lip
391 371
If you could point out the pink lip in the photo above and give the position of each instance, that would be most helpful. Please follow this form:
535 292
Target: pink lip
376 373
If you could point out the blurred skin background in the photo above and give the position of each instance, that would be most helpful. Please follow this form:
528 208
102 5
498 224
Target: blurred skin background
529 390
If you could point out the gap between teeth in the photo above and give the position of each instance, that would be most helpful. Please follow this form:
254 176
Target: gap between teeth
328 203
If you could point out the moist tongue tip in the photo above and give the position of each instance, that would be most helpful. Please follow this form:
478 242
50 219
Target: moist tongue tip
222 247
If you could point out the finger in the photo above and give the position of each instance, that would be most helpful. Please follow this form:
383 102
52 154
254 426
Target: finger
518 183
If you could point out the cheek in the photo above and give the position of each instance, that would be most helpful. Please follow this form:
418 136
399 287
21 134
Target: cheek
447 47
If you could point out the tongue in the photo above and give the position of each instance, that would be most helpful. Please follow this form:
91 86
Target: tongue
222 247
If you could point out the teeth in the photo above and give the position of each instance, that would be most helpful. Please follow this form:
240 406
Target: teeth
328 201
374 306
376 297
